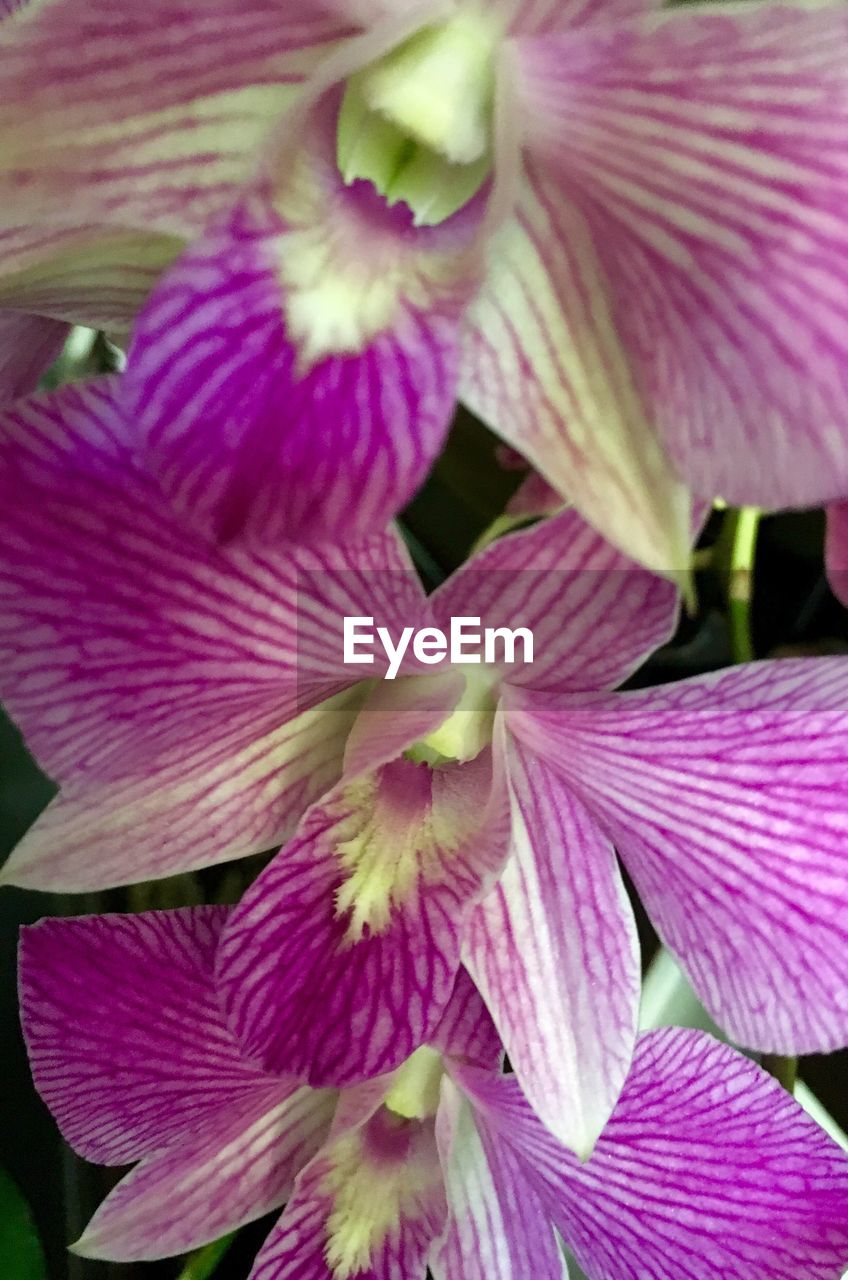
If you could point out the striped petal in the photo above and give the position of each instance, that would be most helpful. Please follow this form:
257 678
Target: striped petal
708 155
708 1167
545 366
368 1206
547 17
126 1041
594 614
312 355
497 1226
200 1190
726 797
836 550
94 275
342 955
124 642
466 1031
554 952
241 792
28 345
146 117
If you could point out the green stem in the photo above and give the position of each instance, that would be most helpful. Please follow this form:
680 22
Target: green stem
740 586
784 1070
204 1262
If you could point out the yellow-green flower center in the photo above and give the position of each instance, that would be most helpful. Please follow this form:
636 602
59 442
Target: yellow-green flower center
418 122
468 728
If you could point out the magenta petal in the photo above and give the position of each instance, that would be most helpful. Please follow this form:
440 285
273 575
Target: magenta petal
498 1228
466 1031
164 682
707 1167
595 614
342 955
126 1041
118 630
28 345
554 951
238 1169
710 167
253 435
727 798
836 550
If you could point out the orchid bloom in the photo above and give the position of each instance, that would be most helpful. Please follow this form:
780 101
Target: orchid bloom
616 232
706 1167
193 704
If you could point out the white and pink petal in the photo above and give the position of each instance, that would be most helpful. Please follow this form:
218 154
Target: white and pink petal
497 1227
554 951
710 167
545 366
147 117
707 1167
124 641
241 792
227 1175
726 798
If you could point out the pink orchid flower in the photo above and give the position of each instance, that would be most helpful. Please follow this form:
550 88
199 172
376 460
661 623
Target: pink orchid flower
706 1167
194 705
617 232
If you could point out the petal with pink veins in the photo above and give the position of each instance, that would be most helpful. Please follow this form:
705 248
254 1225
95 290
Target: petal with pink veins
497 1228
707 1167
124 642
544 364
554 951
125 1036
726 797
549 17
242 792
150 116
295 374
466 1031
94 275
595 615
200 1190
707 153
343 954
368 1206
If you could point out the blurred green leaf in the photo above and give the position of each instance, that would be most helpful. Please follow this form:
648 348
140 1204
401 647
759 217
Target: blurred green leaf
21 1257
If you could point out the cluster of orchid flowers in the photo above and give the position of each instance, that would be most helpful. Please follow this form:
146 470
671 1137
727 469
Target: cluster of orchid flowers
620 235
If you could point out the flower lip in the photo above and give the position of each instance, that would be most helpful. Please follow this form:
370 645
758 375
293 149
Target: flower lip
418 123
